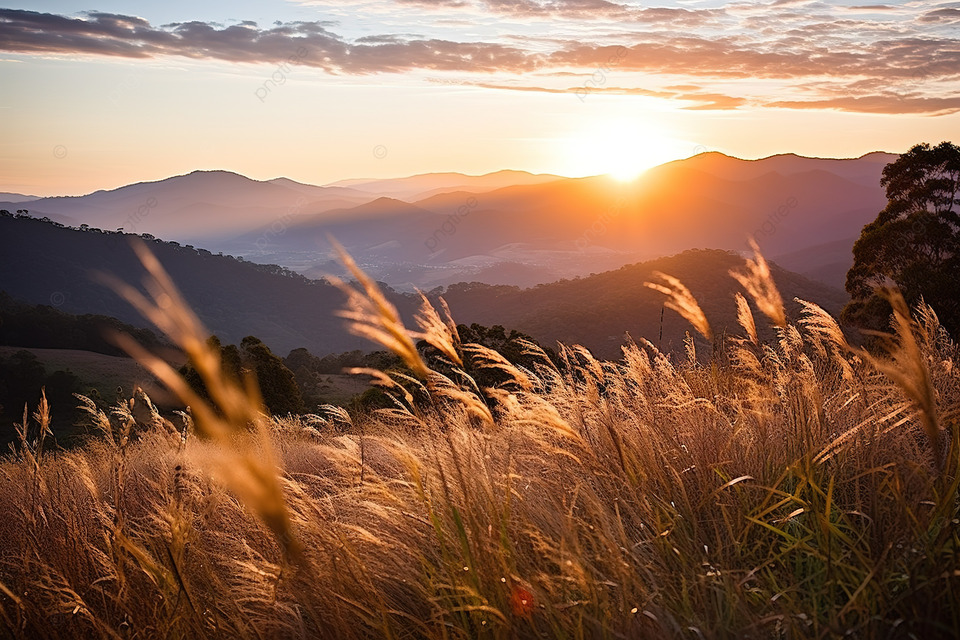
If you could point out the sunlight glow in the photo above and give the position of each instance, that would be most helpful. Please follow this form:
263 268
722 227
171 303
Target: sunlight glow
621 148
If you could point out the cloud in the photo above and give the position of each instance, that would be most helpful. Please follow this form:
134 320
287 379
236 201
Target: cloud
701 100
731 58
878 104
585 10
947 15
578 8
127 36
691 55
712 58
581 90
712 101
433 4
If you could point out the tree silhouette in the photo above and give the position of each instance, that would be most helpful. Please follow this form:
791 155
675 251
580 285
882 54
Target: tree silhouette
914 242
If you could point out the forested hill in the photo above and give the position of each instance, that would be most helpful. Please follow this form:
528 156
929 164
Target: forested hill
43 326
597 310
42 262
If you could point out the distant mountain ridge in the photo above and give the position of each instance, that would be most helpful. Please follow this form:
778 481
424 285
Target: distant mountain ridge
864 169
578 226
425 185
7 197
507 227
193 206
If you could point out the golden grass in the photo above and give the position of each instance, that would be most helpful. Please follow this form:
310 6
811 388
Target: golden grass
758 283
788 491
682 301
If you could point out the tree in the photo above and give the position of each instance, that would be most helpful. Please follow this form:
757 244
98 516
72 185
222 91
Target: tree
278 387
230 367
22 376
510 346
277 383
914 242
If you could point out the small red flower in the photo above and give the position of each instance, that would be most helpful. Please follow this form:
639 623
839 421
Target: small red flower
521 601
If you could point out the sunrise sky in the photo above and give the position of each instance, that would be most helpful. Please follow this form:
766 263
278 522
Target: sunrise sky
320 91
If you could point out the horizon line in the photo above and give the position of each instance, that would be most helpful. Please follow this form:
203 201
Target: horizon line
336 183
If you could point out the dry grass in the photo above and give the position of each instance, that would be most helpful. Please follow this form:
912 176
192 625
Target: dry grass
682 301
790 490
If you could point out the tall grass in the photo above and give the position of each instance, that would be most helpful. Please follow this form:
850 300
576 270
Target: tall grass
795 489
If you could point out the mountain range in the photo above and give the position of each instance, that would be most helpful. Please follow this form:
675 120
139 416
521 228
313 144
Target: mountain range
507 227
43 262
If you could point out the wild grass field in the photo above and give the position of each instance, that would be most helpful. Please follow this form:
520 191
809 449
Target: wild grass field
798 489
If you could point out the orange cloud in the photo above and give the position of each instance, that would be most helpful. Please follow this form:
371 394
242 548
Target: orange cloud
878 104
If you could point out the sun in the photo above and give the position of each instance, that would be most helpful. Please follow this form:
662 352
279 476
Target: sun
620 148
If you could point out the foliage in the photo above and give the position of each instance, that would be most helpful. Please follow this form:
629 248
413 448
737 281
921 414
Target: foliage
514 346
280 393
914 242
22 375
277 385
45 327
596 311
312 373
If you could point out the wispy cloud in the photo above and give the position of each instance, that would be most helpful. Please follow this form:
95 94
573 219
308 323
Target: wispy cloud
700 101
878 104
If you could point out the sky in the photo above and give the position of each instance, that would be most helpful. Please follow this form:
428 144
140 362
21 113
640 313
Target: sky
95 97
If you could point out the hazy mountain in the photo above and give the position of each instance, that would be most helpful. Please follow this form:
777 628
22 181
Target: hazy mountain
574 227
424 185
15 198
827 263
510 226
668 209
196 206
864 170
46 327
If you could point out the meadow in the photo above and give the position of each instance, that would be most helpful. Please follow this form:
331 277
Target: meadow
800 488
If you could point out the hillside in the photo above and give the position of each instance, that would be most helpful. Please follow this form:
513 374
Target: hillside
828 262
94 371
43 263
665 497
427 184
46 327
596 311
864 170
16 198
